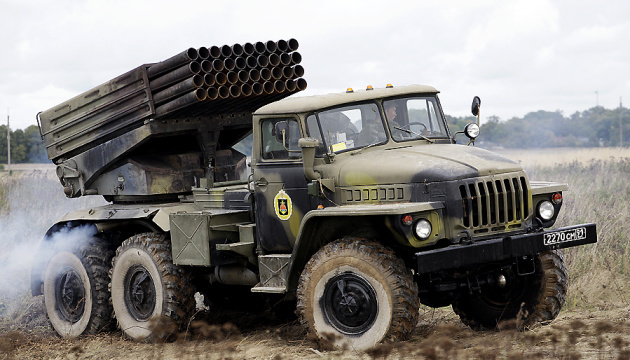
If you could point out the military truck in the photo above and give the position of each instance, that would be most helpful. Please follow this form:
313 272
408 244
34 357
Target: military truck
354 208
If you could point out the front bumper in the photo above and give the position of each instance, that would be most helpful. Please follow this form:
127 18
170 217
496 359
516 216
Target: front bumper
462 256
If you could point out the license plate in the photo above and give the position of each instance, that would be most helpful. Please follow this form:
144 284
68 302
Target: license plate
558 237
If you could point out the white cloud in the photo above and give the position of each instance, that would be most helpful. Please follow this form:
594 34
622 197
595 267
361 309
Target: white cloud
519 56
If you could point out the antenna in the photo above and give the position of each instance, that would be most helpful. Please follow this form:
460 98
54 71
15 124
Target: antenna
620 123
8 143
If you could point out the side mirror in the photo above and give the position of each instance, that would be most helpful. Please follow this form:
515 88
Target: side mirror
282 132
475 105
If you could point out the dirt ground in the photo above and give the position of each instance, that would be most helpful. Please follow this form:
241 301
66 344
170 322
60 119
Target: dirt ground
580 333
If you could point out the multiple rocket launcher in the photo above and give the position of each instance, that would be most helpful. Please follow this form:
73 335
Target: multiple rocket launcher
196 82
211 79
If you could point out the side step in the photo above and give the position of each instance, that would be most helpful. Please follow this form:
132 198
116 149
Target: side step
246 243
273 273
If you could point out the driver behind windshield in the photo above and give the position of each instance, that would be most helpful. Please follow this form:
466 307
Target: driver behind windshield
391 115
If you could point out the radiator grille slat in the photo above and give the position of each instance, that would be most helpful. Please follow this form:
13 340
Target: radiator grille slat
496 203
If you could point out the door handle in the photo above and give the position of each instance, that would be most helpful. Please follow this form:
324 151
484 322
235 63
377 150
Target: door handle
261 182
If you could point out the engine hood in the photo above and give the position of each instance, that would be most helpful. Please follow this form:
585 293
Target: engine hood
425 163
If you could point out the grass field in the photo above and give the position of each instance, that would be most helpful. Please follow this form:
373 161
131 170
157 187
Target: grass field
593 324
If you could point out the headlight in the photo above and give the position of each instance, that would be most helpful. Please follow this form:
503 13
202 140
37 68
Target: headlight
472 130
546 210
423 229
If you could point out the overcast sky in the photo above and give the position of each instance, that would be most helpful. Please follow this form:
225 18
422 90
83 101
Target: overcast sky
518 56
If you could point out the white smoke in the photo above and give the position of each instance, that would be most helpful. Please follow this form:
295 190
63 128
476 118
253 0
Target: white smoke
29 205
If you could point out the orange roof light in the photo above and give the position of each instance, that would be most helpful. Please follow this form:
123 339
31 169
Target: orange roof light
369 87
349 90
389 86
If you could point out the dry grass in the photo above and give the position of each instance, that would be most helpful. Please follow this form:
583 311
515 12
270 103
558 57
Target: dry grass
593 325
550 157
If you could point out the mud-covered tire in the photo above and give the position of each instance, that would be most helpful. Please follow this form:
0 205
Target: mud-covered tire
379 300
147 289
538 298
75 290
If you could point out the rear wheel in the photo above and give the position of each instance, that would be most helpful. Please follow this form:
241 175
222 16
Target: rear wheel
529 300
147 288
75 290
358 291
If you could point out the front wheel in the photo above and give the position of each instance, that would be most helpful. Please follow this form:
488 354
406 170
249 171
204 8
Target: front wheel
359 291
75 290
146 286
528 300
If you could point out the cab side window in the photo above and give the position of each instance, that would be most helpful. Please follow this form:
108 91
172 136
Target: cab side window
272 146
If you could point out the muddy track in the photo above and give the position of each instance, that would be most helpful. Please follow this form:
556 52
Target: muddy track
576 334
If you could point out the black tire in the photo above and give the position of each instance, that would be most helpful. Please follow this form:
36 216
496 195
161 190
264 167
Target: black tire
360 292
528 300
147 289
75 290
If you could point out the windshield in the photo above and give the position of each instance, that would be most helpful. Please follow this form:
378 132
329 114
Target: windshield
414 118
347 128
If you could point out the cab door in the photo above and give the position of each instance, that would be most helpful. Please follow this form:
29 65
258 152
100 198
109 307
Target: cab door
279 184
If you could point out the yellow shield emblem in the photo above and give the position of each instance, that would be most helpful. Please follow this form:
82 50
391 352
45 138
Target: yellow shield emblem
283 206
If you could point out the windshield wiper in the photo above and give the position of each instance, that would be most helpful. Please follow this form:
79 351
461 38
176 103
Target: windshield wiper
414 133
363 148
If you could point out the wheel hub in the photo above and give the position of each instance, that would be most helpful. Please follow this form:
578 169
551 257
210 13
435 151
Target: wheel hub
350 304
139 292
70 293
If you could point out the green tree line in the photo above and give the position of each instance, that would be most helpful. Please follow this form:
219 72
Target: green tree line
26 146
594 127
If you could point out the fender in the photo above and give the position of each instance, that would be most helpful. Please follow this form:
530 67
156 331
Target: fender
305 245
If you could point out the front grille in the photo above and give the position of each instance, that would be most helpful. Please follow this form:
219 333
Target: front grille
495 203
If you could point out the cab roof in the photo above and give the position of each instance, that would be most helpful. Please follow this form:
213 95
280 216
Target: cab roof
316 102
